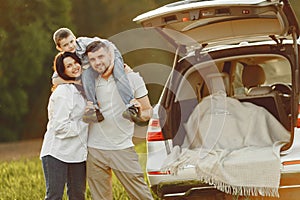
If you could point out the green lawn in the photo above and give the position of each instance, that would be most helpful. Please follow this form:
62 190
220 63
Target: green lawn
24 180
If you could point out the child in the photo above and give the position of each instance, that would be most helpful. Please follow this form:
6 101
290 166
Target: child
66 41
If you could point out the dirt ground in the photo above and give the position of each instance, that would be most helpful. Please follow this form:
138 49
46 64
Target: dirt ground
31 148
17 150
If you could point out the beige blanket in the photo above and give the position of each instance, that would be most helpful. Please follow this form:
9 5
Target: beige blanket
234 146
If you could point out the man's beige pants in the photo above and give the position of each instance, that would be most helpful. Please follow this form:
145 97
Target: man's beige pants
125 165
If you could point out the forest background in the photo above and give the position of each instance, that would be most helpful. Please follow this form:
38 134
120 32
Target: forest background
27 51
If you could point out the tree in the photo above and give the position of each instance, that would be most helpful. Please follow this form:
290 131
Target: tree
26 58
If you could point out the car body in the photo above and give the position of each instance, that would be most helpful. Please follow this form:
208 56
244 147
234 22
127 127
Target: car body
228 35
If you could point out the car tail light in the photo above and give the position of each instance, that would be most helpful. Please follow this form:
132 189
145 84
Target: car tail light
185 19
291 162
154 131
159 172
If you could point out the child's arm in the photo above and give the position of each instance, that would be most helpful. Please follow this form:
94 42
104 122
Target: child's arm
56 80
127 68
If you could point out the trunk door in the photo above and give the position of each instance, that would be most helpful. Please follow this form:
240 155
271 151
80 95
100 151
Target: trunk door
222 21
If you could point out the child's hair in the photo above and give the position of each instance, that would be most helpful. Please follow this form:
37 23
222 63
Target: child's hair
59 66
60 34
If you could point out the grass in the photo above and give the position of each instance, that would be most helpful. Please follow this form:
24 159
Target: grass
24 180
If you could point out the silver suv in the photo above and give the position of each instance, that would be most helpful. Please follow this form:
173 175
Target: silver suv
226 122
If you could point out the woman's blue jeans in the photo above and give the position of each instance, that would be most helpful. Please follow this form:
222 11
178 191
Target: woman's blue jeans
58 174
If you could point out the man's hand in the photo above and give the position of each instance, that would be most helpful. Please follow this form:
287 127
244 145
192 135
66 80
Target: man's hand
144 107
91 114
89 106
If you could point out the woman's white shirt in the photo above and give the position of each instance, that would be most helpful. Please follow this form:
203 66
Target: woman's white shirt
66 135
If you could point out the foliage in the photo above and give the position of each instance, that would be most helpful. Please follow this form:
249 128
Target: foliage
21 180
26 46
108 17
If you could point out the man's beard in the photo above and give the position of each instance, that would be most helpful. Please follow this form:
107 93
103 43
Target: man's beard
103 70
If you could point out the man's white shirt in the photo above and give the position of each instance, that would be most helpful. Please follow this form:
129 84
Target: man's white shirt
114 132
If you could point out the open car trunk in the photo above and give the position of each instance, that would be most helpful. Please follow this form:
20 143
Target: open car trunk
191 82
197 27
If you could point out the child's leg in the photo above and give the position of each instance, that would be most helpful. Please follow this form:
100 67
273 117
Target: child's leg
88 81
125 91
121 79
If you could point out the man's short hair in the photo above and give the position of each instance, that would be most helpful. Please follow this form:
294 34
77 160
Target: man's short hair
95 46
60 34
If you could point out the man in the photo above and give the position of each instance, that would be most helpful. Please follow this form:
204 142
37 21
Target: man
110 143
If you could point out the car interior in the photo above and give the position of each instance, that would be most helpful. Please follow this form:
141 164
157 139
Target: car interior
264 80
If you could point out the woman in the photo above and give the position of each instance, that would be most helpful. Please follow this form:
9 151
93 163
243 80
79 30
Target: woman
64 149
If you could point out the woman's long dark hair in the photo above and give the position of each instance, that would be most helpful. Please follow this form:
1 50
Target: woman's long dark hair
59 66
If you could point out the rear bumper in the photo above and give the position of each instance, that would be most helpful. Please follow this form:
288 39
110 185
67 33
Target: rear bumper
186 189
289 189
